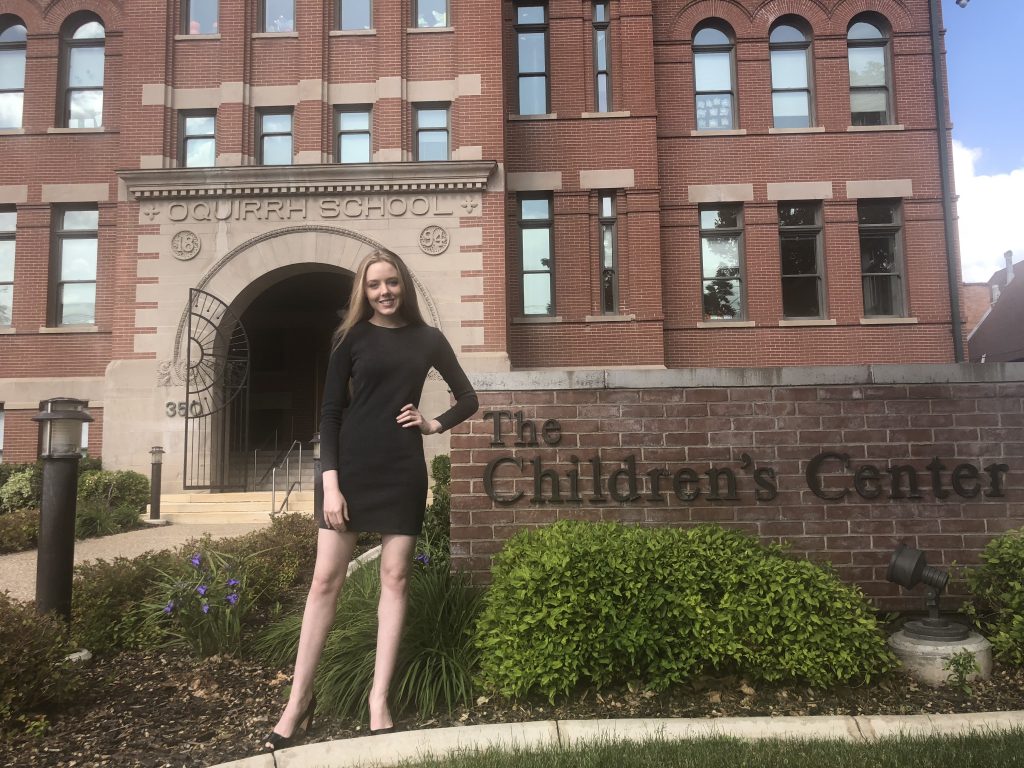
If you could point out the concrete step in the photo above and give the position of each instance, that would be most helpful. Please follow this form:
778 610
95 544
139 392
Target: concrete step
211 508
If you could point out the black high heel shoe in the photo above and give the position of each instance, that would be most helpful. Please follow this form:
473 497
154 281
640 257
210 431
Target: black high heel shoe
382 731
276 741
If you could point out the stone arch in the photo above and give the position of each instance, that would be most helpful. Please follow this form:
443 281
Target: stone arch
811 11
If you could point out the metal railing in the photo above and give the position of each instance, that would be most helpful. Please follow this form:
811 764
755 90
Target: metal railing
264 446
287 462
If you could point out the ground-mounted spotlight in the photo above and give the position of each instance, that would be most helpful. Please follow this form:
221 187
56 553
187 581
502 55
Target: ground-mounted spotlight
908 568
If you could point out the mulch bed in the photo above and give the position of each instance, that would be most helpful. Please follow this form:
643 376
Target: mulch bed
166 709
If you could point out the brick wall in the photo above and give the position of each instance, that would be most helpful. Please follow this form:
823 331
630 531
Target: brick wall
811 452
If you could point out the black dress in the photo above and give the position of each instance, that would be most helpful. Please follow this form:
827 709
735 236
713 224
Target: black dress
381 470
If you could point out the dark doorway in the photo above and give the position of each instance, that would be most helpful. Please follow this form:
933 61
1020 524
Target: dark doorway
290 320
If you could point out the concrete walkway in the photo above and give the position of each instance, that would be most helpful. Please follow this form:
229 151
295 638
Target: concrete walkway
381 751
18 571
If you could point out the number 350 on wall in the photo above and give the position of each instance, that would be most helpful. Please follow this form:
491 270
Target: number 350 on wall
183 409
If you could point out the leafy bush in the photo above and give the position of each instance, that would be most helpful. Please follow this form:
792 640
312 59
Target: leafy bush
33 670
108 599
437 657
95 518
437 522
998 586
19 531
18 492
604 603
114 489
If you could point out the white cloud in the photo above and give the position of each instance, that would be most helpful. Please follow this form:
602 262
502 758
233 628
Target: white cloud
991 210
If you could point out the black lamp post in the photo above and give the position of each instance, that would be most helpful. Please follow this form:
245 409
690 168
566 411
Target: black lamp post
908 568
60 438
156 455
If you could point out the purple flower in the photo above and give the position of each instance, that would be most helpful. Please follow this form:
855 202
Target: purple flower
206 607
232 582
196 559
232 598
169 607
202 589
422 559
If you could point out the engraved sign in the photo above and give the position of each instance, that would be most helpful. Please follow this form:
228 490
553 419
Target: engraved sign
433 240
185 245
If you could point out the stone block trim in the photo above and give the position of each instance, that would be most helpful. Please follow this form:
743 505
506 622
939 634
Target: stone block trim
840 464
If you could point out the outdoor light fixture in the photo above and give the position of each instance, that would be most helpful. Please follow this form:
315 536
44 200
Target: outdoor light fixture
962 3
908 568
156 460
316 446
60 427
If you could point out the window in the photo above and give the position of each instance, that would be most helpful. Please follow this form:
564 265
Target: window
713 66
721 250
200 17
535 226
8 223
609 254
278 16
356 14
354 144
880 258
602 57
432 133
275 140
800 252
82 49
74 301
12 71
791 75
431 13
532 47
198 139
868 50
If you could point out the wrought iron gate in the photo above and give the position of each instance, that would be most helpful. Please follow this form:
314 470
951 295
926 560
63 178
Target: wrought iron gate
217 393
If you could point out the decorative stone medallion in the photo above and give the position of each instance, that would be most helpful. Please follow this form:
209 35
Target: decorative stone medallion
185 245
434 240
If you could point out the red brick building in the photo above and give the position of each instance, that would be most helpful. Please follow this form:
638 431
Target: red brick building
620 185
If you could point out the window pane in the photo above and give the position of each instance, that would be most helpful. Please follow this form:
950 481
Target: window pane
537 294
6 261
869 107
602 93
531 52
876 212
354 121
280 16
721 256
878 253
433 145
355 14
721 299
91 30
78 259
800 297
880 295
86 67
8 221
601 46
607 206
200 153
77 304
12 69
202 17
789 69
11 109
85 109
787 33
432 118
608 245
81 220
711 36
867 66
355 148
200 125
531 208
277 123
720 218
6 302
16 33
530 14
432 13
533 95
714 71
799 255
537 249
791 109
277 150
714 112
600 11
862 30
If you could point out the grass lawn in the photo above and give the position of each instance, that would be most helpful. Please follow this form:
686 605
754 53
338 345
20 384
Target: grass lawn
975 751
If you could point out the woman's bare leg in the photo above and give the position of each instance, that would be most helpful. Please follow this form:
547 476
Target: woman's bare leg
395 560
333 554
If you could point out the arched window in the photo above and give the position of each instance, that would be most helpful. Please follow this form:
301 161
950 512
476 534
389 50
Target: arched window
867 42
714 68
82 46
12 71
790 46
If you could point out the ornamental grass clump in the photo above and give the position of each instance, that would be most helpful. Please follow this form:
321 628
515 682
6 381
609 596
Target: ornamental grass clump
599 604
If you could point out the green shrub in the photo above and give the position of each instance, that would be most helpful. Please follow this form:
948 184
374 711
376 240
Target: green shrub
123 488
33 670
998 586
437 657
578 603
108 599
95 518
19 492
437 521
19 531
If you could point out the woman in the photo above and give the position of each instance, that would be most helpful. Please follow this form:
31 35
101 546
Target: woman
374 473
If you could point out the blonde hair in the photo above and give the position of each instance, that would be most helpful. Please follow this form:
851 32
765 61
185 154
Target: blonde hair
359 308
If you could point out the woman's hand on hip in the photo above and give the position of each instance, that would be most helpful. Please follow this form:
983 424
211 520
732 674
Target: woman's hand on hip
410 416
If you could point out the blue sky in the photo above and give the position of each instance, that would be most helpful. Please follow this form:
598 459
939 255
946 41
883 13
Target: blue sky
986 93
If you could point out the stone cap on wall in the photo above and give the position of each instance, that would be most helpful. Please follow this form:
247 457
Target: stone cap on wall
791 376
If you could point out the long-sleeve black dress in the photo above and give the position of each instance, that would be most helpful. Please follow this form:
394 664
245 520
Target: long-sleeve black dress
381 470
